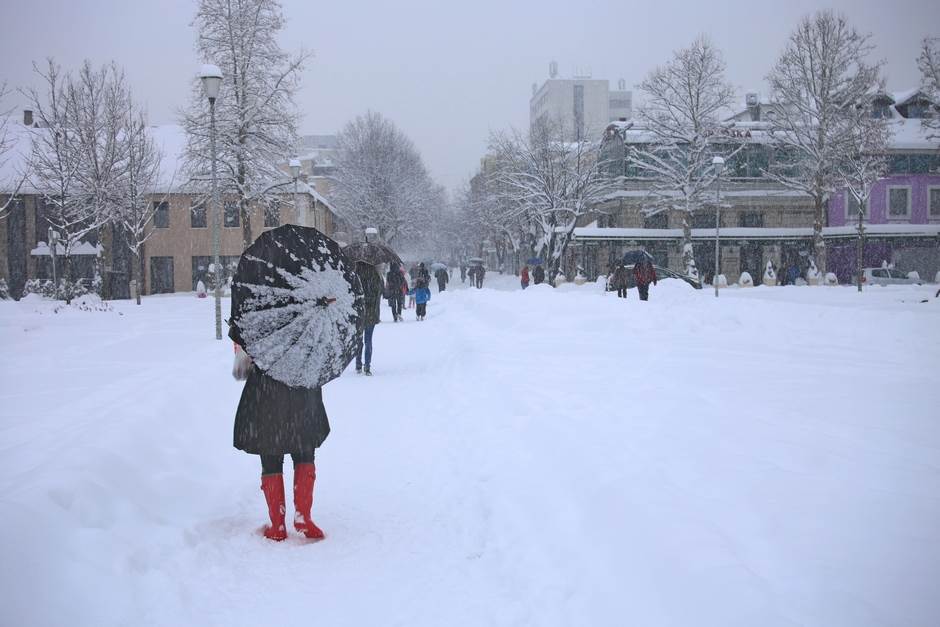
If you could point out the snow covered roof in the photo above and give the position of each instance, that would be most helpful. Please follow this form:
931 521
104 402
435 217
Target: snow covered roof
892 230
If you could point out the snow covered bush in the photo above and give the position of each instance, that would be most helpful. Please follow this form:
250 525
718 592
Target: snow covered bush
831 279
559 279
936 278
200 289
67 289
721 280
770 275
4 290
745 280
913 275
813 276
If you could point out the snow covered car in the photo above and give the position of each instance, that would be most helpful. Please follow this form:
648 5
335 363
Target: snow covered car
886 276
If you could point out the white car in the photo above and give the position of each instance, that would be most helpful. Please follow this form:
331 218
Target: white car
886 276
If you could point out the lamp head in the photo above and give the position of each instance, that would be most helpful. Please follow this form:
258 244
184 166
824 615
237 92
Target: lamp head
211 77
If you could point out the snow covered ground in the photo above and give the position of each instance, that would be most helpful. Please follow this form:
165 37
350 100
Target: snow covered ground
547 457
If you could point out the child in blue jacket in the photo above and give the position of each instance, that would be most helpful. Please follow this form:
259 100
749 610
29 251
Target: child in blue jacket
422 294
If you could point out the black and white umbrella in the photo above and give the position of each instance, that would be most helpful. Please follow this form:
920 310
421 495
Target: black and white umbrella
296 305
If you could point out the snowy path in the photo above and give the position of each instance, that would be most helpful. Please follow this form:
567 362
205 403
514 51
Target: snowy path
539 458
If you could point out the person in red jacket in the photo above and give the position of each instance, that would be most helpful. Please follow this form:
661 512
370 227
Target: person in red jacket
644 273
524 277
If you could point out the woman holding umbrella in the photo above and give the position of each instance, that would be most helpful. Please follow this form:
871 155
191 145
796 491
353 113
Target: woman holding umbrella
296 305
372 289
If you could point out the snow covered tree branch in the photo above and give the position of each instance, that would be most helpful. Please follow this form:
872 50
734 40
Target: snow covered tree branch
818 80
929 64
256 117
15 180
681 118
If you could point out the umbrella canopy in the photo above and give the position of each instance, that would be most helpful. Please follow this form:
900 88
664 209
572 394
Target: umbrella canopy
633 257
438 266
296 306
475 261
372 253
534 261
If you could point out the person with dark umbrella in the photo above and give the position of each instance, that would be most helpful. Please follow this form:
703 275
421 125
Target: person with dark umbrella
295 308
395 288
372 289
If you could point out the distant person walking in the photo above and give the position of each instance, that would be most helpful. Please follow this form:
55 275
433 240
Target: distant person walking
372 289
538 275
395 288
442 278
644 273
422 295
477 276
619 281
524 277
463 273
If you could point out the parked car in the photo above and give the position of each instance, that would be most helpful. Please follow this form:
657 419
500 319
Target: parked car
886 276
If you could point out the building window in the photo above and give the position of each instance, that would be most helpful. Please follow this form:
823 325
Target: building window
751 219
42 223
899 202
161 215
933 197
656 221
201 266
231 214
703 219
197 214
851 207
272 213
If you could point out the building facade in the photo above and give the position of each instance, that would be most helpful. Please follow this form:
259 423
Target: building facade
177 254
761 221
582 106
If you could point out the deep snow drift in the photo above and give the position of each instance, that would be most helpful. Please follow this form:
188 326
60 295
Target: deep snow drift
547 457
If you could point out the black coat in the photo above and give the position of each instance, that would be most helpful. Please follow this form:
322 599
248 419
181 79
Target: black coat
275 419
538 275
394 282
372 288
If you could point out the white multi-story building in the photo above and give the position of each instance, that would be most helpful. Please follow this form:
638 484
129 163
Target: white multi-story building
582 105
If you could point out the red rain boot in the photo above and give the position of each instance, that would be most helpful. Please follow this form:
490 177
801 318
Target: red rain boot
273 488
304 477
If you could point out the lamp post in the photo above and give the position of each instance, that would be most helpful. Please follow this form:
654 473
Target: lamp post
371 231
211 77
719 164
53 244
295 173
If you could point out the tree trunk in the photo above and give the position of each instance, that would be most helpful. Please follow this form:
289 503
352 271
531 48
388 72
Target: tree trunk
243 209
137 272
67 274
819 244
860 245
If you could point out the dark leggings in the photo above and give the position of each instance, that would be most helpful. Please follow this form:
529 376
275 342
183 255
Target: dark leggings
621 292
274 464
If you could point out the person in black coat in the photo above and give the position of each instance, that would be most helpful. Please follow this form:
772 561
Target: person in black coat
442 278
372 289
395 288
273 420
538 275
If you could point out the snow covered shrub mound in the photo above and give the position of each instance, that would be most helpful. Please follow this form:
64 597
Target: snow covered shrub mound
831 279
559 279
745 280
200 289
85 302
813 275
721 280
4 290
770 275
913 275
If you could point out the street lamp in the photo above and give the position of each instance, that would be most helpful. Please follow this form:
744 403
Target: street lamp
719 164
295 173
371 231
211 77
53 244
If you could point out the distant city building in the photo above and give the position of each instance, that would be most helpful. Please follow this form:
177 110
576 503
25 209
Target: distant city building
584 106
317 155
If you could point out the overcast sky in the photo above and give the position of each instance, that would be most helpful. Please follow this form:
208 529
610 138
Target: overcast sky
445 72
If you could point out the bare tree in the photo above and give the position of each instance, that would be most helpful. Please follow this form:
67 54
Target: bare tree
381 181
11 187
548 184
680 119
255 111
929 64
818 78
864 164
138 181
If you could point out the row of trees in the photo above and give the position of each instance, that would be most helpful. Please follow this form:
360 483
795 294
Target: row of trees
536 186
95 164
91 159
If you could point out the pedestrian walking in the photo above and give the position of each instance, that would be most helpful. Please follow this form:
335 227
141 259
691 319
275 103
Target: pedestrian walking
538 275
644 273
619 282
372 290
422 294
524 277
463 273
395 288
442 278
